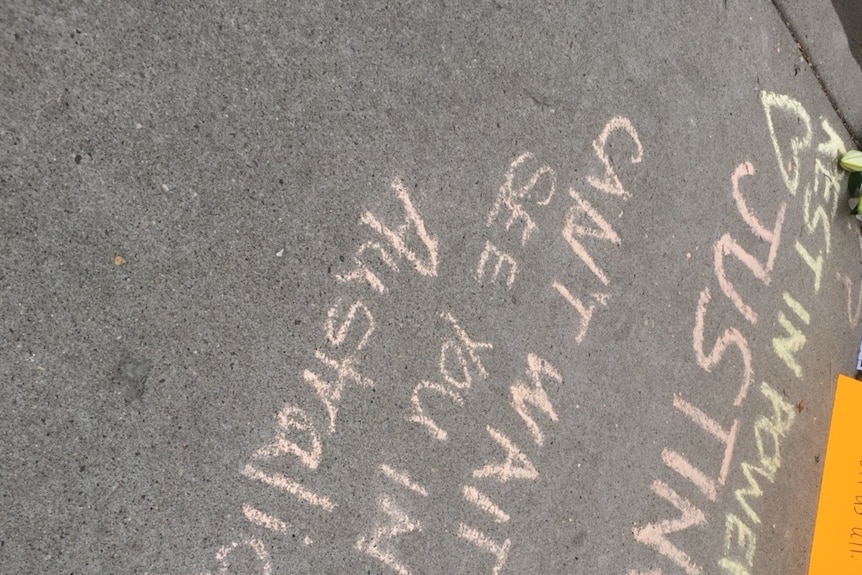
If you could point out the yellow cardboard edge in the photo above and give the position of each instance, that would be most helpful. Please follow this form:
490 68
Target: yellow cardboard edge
836 548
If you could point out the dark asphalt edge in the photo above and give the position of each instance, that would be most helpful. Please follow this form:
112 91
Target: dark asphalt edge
803 50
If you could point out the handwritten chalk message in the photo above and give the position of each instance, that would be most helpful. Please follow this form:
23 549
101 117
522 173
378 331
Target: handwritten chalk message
807 164
476 512
300 439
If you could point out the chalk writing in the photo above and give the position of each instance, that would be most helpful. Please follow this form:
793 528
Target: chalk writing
500 551
337 337
583 220
515 466
855 542
776 428
730 336
255 545
611 183
292 418
379 544
297 435
265 520
769 430
786 347
330 393
299 445
655 534
465 362
419 416
727 245
789 168
398 240
451 351
502 258
602 231
483 502
679 463
467 344
363 272
510 195
818 203
535 395
585 313
854 314
402 479
290 486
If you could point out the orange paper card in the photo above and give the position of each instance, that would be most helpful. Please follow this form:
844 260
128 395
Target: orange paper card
837 545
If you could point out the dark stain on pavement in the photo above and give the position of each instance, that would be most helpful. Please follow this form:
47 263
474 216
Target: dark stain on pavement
131 375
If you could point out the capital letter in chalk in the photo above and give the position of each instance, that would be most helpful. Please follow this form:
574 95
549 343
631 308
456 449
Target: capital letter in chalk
502 258
730 336
752 489
472 347
655 534
771 237
450 350
330 393
783 413
289 486
260 554
516 465
816 265
731 567
611 183
585 313
363 273
727 245
483 502
787 347
483 542
819 218
380 544
535 396
852 317
511 195
679 463
832 148
419 416
601 230
289 419
337 337
398 238
788 160
745 538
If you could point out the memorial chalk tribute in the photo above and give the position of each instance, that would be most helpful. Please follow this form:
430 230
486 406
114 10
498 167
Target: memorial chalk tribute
500 288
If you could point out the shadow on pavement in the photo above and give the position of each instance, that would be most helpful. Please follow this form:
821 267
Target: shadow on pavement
850 14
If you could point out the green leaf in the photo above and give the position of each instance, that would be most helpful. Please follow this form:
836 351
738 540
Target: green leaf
854 181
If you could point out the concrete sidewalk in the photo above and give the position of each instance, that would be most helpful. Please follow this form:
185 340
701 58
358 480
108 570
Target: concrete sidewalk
829 35
426 288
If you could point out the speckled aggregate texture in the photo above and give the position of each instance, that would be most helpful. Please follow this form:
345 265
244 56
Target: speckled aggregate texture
493 287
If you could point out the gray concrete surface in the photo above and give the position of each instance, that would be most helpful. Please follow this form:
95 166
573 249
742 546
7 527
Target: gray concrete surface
271 303
830 36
